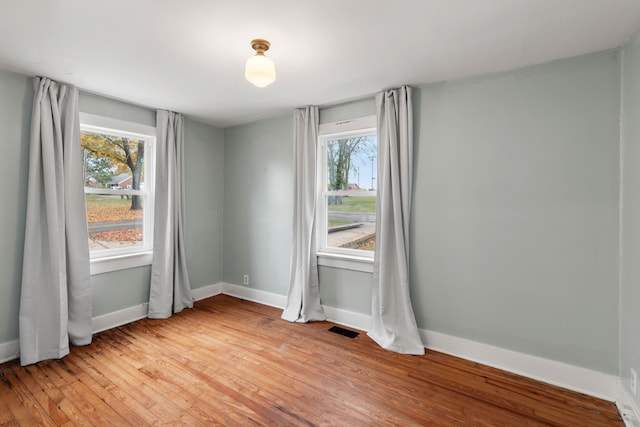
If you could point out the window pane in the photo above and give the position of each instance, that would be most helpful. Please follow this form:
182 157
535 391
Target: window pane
116 163
112 222
352 169
351 222
112 161
351 163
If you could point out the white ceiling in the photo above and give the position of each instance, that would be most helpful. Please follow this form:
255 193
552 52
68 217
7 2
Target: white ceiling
188 55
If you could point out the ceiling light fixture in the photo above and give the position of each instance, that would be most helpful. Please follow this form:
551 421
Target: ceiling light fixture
260 70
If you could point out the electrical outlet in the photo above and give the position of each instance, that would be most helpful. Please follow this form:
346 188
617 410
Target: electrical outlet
246 280
634 382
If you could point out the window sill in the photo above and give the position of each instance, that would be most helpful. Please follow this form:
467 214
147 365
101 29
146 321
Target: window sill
120 262
346 262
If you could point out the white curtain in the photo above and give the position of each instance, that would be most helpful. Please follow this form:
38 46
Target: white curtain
393 324
303 299
170 289
55 302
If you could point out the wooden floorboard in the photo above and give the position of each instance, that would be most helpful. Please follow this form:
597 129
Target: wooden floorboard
234 362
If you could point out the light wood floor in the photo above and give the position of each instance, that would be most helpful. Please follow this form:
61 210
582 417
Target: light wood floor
233 362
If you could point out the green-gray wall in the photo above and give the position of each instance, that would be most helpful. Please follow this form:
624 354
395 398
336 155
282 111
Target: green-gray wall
204 177
630 232
204 150
515 214
15 117
257 204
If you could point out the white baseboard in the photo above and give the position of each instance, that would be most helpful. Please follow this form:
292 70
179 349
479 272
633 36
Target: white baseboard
337 315
254 295
137 312
571 377
9 351
206 291
347 318
627 407
119 318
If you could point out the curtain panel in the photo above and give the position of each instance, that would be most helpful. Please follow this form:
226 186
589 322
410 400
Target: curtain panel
303 298
170 289
55 300
393 324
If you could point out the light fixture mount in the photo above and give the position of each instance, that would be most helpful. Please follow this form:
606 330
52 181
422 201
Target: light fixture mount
260 46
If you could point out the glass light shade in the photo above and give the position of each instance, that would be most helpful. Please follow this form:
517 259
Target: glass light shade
260 70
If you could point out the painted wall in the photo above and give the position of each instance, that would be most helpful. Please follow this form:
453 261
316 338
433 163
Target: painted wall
630 233
126 288
257 204
349 110
515 212
204 176
16 96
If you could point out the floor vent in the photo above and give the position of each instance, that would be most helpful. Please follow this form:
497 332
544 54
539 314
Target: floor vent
345 332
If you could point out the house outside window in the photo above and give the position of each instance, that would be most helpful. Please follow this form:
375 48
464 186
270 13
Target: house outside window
119 171
346 191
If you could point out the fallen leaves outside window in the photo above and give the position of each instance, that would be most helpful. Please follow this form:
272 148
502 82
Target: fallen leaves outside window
132 235
109 213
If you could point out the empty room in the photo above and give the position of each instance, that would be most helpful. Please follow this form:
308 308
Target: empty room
346 213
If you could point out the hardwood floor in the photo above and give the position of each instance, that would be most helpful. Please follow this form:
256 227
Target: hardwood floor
233 362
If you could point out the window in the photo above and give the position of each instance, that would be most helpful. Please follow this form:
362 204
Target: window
118 165
347 161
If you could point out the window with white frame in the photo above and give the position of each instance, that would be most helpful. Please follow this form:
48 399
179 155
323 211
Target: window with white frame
118 165
347 164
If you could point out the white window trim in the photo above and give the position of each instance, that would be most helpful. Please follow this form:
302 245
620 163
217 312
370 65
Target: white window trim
360 123
118 126
114 260
120 262
349 259
345 262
